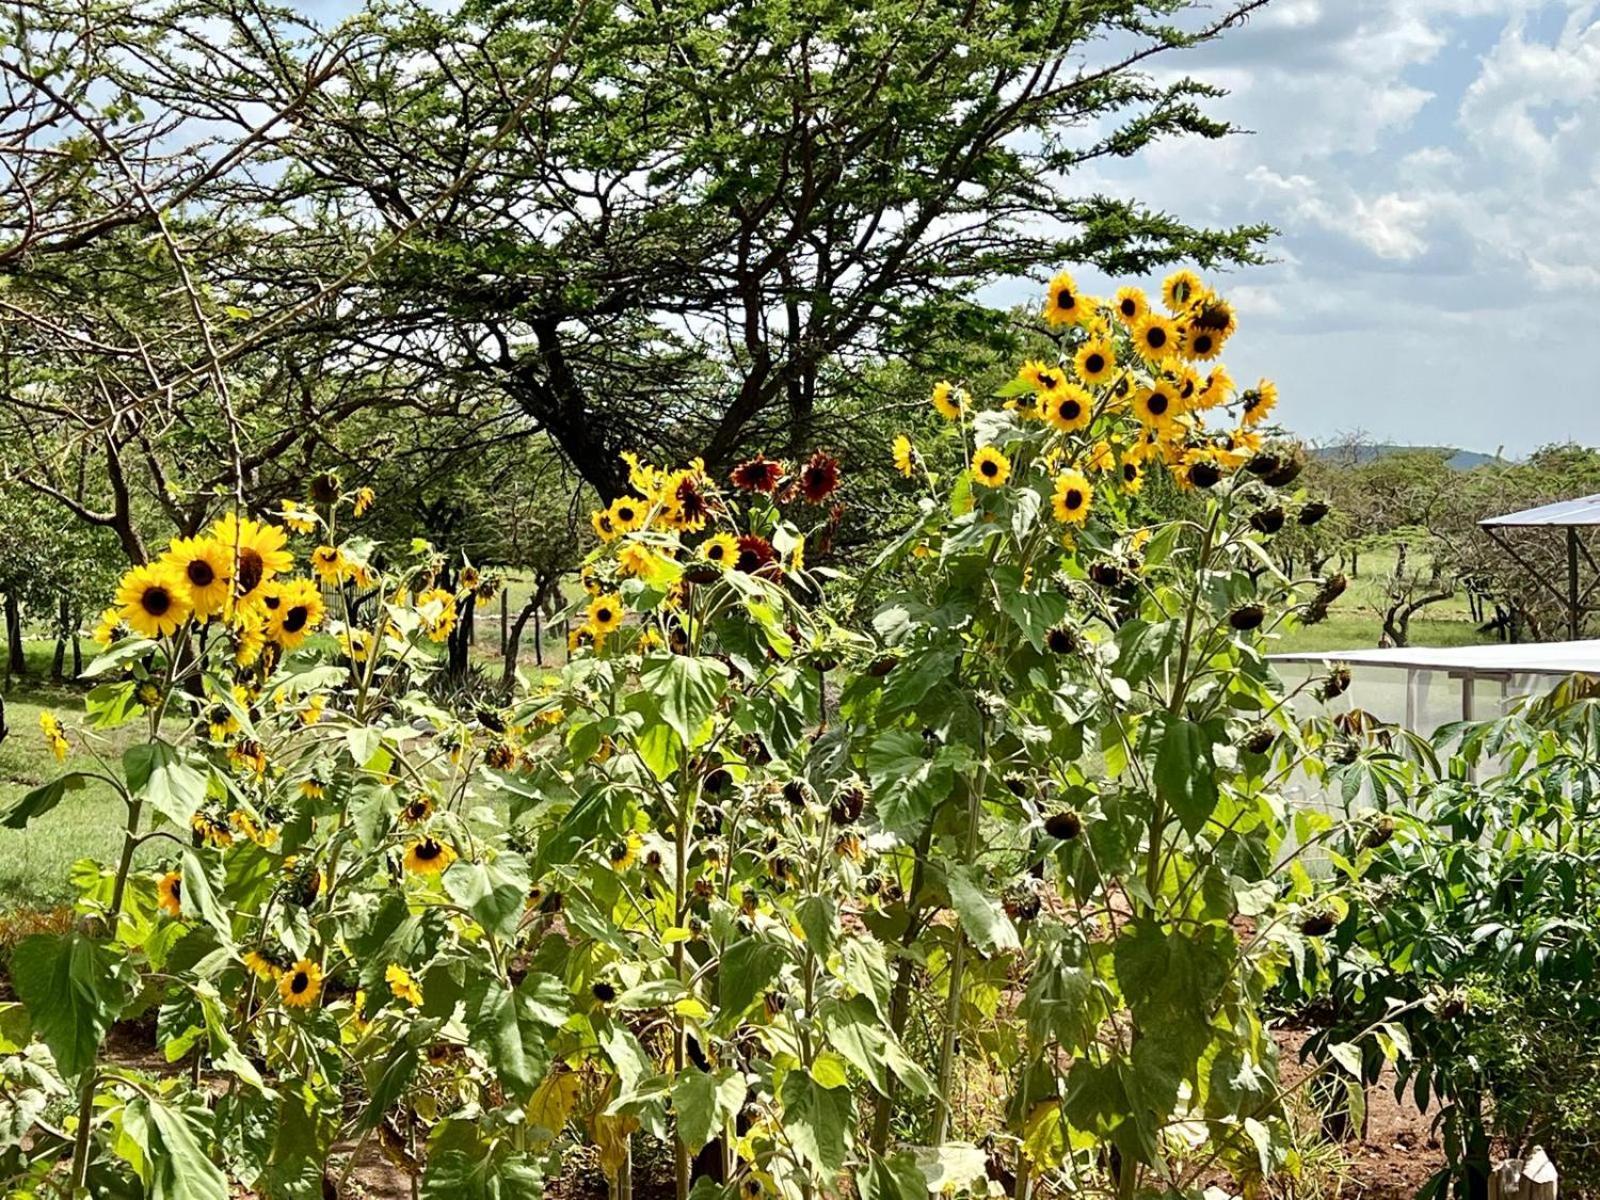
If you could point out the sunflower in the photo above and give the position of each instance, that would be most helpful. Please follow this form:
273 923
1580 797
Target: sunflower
1040 376
1073 498
1156 407
627 513
297 519
605 614
686 505
819 478
204 565
169 893
438 610
1181 289
256 549
755 554
261 966
604 527
107 627
759 474
623 853
1199 344
1065 305
1095 362
990 467
401 984
1155 337
949 401
1067 408
1218 388
55 737
300 984
1132 476
428 856
361 501
153 599
720 550
329 565
1131 306
906 458
299 610
1101 457
1258 403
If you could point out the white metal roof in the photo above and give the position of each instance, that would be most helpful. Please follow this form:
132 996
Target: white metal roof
1534 658
1583 511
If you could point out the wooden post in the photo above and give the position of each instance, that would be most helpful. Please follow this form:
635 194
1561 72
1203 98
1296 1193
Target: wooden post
505 621
1533 1178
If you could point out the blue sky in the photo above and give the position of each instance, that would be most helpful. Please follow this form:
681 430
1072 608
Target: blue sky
1433 167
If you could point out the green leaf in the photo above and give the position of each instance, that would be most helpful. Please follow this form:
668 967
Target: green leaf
853 1029
173 1166
747 969
200 895
981 915
817 1120
463 1165
41 800
495 892
704 1103
1184 773
817 921
894 1178
687 690
506 1029
73 987
161 774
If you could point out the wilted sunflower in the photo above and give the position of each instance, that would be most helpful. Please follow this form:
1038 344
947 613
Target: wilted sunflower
204 566
687 506
402 984
1155 337
300 984
905 455
428 856
298 611
361 502
169 893
1067 408
417 809
720 550
1131 306
605 614
1095 362
1073 498
257 549
328 564
296 518
819 478
261 966
990 468
153 600
438 610
759 474
948 400
1064 304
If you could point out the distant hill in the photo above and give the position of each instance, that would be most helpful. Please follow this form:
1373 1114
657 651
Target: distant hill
1460 460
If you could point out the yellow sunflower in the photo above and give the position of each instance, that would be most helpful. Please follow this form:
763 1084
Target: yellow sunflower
1041 376
1132 476
905 454
1130 306
298 519
107 627
948 400
627 513
1095 362
258 550
1155 337
361 502
1073 498
624 852
402 984
1181 289
298 611
1218 388
428 856
261 966
990 468
153 600
605 613
1156 407
1258 403
301 984
438 610
169 893
328 564
1067 408
721 550
55 736
205 567
604 527
1064 304
1200 344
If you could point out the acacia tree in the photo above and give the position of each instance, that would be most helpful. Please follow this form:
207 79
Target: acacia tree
714 203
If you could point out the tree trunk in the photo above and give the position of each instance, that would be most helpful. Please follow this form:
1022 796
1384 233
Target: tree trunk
58 662
512 643
16 655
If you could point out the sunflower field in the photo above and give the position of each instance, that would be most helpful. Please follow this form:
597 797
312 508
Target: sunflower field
968 870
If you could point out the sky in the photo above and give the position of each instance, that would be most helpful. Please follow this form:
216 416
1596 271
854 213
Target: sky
1433 170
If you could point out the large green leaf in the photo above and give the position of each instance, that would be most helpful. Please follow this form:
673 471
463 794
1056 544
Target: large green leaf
854 1030
41 800
174 1166
687 690
164 776
703 1102
817 1120
508 1030
464 1166
747 969
982 916
494 892
1184 773
73 987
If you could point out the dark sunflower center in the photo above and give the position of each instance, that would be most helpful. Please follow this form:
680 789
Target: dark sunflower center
156 601
295 619
1202 343
300 982
1094 364
625 513
717 553
1130 472
1158 403
1074 498
1156 337
251 569
200 573
177 889
428 850
1070 410
1129 307
603 615
1065 298
989 467
1047 382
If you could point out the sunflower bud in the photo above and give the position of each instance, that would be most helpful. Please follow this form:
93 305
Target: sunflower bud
1064 826
1247 617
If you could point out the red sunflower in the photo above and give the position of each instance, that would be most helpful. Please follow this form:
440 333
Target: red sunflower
759 474
819 478
755 554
